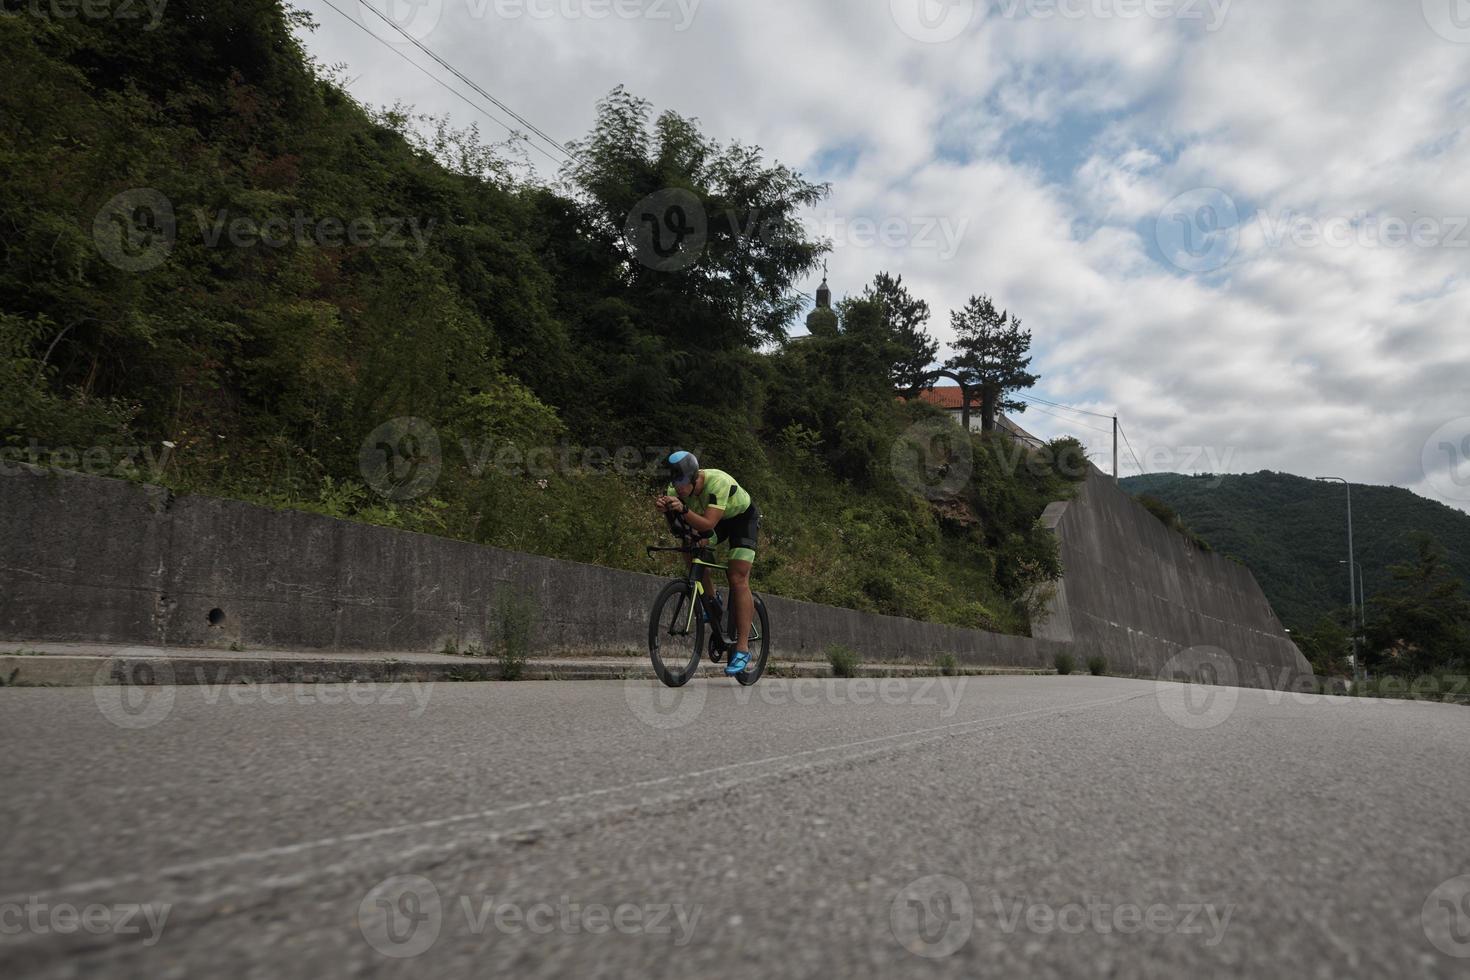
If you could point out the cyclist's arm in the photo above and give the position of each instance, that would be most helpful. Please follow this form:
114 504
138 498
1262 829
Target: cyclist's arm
701 522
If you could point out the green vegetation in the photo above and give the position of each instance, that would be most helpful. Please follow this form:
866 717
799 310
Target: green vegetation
488 358
515 618
1097 666
844 660
1171 520
1065 663
1292 533
947 664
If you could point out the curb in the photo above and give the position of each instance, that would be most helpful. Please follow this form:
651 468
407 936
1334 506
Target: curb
84 671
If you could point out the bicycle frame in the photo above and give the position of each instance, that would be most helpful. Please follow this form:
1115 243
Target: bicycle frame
695 578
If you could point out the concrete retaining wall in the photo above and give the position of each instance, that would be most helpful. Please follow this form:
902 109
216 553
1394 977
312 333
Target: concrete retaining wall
1155 605
99 560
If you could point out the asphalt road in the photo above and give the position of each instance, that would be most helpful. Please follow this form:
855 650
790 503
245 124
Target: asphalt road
1051 826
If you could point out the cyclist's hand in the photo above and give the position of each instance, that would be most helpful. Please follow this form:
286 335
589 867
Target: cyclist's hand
661 504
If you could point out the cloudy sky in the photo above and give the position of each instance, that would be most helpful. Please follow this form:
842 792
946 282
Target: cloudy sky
1244 225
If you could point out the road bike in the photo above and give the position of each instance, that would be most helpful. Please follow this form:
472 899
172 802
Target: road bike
681 613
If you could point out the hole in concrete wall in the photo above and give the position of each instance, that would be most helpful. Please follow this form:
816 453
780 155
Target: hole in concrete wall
216 616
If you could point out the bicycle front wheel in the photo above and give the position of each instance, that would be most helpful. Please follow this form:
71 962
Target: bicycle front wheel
760 645
675 634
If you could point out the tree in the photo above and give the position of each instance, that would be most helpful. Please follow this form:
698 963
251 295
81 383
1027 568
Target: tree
1423 620
904 317
1326 646
993 354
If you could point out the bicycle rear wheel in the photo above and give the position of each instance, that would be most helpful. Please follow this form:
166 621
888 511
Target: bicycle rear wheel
760 644
675 634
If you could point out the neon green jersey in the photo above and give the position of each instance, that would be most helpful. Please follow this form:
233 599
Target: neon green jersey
720 490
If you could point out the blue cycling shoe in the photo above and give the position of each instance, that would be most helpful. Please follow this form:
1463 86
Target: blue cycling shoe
737 663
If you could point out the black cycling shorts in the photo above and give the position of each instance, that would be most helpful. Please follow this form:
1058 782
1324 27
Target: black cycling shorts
740 532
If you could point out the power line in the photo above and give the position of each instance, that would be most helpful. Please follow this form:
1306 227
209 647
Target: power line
1085 425
1069 408
1130 449
452 90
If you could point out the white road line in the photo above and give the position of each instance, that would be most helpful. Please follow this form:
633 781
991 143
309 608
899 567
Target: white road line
288 850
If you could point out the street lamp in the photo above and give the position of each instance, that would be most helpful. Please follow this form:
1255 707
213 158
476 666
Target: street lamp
1362 605
1352 564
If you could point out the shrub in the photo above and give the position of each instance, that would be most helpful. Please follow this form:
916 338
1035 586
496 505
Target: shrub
515 617
948 665
1065 663
844 660
1097 666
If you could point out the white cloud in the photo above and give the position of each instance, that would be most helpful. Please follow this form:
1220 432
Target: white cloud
1050 146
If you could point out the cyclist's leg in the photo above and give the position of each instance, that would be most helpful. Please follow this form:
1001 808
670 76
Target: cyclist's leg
741 532
742 604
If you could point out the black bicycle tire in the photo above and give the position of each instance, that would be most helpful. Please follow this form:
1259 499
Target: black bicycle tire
753 673
673 678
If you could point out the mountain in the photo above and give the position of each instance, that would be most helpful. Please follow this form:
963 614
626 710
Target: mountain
1292 532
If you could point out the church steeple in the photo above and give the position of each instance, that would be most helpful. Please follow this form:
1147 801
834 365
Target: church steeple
821 321
824 295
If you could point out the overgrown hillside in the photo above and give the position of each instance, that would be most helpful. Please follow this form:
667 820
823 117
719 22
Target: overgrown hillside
1292 532
221 273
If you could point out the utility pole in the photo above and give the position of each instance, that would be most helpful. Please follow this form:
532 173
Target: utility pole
1352 564
1115 448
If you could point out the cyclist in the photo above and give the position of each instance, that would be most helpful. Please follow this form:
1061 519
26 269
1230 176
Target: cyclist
711 500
